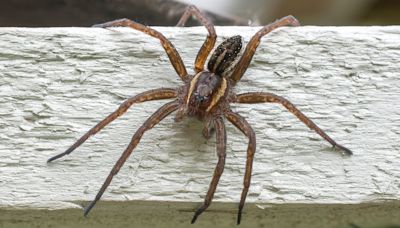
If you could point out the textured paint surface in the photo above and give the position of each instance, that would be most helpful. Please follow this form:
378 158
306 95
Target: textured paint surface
57 83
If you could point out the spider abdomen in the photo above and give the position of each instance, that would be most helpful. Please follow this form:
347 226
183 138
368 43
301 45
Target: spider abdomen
225 56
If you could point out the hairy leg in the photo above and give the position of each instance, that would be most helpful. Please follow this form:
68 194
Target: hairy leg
251 47
221 148
211 37
270 97
160 114
155 94
245 127
172 53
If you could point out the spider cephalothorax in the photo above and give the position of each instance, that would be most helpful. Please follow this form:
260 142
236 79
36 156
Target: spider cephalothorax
205 91
206 95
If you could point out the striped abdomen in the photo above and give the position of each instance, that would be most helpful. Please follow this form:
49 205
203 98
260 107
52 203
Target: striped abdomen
225 56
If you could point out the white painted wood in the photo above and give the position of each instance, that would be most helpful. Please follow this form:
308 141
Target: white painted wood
56 83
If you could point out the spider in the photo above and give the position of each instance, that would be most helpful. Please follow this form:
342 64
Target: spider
205 95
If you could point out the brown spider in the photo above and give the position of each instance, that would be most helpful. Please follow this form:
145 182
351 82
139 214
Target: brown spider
205 95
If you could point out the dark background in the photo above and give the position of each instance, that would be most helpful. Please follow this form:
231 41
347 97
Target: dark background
37 13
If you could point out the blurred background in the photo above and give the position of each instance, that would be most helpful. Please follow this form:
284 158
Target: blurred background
40 13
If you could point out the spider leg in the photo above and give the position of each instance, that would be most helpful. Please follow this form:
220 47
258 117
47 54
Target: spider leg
172 53
155 94
251 47
270 97
245 127
211 37
160 114
221 148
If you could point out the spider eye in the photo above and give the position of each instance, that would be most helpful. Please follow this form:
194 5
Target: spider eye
225 56
200 98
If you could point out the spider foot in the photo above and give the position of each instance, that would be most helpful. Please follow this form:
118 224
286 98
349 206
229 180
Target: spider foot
293 21
103 25
239 216
115 23
55 157
197 213
194 219
87 209
61 155
345 150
